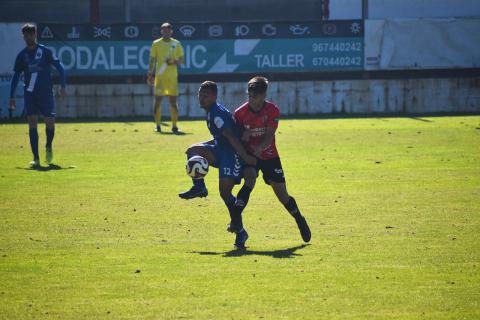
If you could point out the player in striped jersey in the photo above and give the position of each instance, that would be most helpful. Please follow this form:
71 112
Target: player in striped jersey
34 62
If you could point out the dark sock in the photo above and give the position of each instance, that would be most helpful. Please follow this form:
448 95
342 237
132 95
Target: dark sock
236 215
236 219
33 133
292 208
50 134
240 204
200 183
243 196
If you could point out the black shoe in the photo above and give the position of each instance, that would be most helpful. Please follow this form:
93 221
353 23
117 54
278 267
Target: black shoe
175 130
35 163
194 192
233 228
240 240
157 129
304 229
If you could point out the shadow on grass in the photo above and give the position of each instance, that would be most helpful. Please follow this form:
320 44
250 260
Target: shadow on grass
51 167
179 133
420 119
279 254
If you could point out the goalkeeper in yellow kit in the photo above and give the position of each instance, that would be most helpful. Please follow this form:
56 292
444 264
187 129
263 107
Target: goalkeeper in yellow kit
165 55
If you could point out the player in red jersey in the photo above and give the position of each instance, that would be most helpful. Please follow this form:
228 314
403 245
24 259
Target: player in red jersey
257 120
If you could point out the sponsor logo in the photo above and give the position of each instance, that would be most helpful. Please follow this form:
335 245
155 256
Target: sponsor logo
240 203
237 167
215 31
102 32
257 132
242 30
74 34
298 30
218 122
46 33
187 30
269 30
329 29
39 54
355 28
131 32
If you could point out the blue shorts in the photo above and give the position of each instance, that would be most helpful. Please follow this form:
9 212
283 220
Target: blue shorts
228 163
35 104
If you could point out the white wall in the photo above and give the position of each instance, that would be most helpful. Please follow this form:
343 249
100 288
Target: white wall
11 42
381 9
422 43
293 98
345 9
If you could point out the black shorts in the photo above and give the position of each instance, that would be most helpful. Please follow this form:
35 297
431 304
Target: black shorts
271 169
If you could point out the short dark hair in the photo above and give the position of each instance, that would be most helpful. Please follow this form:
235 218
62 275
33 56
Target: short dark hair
29 28
258 85
209 85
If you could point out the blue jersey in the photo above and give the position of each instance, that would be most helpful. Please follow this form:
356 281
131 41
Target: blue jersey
219 119
36 67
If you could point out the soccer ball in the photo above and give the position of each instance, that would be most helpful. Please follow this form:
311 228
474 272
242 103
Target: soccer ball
197 167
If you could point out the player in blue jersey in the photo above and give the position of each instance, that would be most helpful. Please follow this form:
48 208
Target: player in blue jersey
35 63
223 152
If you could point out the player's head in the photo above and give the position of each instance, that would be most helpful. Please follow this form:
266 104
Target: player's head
207 94
29 31
166 30
257 92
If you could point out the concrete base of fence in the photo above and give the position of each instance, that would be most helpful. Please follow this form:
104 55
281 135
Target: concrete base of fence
460 95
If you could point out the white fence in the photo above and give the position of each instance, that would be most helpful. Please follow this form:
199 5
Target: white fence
422 44
401 9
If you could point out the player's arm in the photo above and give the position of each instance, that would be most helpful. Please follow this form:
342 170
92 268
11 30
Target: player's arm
13 87
177 58
174 61
177 61
244 134
237 145
61 72
54 61
17 69
272 125
266 141
151 65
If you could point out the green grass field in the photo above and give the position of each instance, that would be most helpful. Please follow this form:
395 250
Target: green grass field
393 204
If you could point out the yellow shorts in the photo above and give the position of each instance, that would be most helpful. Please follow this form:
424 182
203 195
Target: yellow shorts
166 87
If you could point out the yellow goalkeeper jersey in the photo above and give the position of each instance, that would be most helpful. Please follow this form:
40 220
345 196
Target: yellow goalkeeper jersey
166 76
